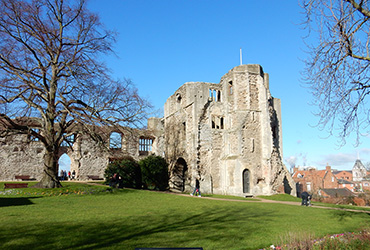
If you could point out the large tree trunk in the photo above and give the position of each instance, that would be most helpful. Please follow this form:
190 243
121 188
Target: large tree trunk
50 174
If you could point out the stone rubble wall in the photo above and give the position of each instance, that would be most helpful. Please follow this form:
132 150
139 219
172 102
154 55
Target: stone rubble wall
249 140
218 133
20 156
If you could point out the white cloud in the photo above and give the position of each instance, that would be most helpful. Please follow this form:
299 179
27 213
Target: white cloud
291 160
339 160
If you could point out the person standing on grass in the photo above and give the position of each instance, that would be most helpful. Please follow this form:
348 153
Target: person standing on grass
305 197
197 188
114 180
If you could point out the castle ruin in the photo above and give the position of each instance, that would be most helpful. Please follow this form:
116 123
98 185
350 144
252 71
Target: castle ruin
227 135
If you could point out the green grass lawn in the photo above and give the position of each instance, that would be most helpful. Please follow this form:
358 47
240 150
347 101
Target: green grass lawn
126 219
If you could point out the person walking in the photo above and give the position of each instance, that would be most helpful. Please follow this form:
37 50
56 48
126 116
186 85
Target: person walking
305 198
196 189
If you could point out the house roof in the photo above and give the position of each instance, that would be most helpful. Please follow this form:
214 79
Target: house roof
312 173
337 192
321 173
358 165
341 171
343 181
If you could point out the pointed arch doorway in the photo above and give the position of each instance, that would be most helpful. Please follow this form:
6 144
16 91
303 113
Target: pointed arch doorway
246 181
179 175
64 164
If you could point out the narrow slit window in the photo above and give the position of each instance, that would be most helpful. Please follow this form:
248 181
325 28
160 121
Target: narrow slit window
231 87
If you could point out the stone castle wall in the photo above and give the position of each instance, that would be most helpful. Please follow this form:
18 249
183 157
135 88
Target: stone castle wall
228 135
232 140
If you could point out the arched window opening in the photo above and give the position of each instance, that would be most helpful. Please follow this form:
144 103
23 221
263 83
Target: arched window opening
115 140
217 122
68 140
178 97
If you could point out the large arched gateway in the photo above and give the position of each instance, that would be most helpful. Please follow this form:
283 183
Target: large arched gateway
179 175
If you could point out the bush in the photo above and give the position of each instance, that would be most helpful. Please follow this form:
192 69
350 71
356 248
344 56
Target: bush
154 171
129 171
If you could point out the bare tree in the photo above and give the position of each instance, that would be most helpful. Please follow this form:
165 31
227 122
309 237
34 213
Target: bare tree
337 70
52 77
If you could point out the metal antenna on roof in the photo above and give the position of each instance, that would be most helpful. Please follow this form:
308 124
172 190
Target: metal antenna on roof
241 57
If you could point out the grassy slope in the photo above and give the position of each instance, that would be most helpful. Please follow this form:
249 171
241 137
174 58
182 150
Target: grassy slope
134 218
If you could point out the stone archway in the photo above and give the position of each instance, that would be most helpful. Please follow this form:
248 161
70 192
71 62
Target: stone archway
66 154
64 163
179 175
246 181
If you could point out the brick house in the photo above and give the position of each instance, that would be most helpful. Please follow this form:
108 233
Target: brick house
312 180
343 175
346 184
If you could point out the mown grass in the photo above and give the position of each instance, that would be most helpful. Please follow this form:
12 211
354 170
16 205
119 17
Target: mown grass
286 197
125 219
280 197
69 188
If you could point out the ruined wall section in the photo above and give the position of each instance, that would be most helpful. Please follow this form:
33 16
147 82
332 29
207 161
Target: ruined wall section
156 129
187 132
251 139
281 181
243 136
175 124
20 156
92 158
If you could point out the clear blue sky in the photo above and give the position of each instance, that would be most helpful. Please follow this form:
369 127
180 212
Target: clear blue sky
163 44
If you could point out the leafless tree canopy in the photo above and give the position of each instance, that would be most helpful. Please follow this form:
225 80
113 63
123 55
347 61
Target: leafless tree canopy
51 69
337 70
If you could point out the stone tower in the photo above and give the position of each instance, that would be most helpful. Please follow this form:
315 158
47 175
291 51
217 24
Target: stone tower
228 135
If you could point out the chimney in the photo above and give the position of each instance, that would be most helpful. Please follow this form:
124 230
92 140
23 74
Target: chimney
328 168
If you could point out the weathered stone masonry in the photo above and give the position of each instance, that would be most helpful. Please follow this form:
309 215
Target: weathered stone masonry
227 134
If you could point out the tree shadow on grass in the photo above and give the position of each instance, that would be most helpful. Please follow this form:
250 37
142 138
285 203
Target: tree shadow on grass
218 227
16 201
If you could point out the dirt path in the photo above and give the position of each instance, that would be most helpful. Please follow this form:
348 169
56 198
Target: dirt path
256 200
274 201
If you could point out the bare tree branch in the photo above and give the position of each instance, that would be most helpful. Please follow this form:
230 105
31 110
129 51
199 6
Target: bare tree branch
337 69
50 69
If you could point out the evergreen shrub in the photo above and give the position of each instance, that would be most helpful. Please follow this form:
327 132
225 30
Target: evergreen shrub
128 169
154 170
